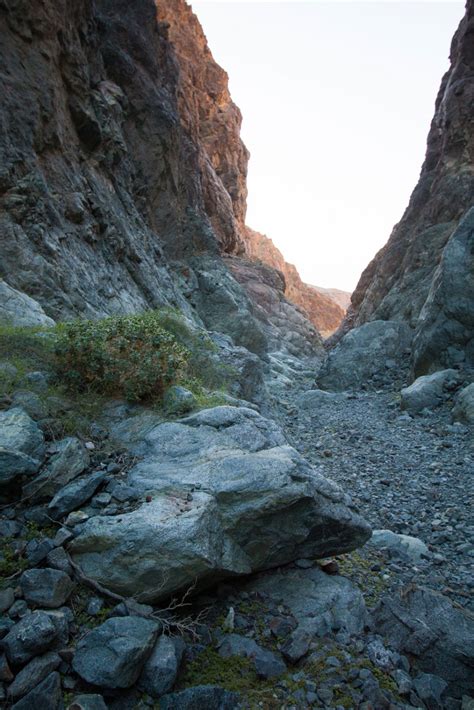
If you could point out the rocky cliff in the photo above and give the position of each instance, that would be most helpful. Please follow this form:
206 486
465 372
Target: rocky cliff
123 176
424 274
325 308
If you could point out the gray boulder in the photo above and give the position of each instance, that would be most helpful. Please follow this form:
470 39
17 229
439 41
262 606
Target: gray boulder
463 410
226 496
18 309
113 654
428 391
321 603
33 673
210 697
438 636
32 635
46 696
75 494
21 445
405 546
69 458
364 353
160 670
31 403
48 588
267 664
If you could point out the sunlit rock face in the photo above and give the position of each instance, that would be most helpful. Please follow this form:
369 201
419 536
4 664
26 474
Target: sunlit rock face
325 308
407 279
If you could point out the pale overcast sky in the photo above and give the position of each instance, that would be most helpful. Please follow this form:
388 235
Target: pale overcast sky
337 98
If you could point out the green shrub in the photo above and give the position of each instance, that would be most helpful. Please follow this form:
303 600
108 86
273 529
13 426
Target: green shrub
131 356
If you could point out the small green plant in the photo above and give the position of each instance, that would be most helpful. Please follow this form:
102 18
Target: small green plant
131 356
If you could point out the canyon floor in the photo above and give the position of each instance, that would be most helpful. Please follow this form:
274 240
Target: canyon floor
375 628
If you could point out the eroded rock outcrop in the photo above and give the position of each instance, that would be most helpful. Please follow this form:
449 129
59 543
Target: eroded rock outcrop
430 250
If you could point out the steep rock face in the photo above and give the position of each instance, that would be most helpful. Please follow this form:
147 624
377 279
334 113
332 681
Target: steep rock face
323 309
122 175
400 283
213 120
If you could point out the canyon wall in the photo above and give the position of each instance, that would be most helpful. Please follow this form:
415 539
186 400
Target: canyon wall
122 172
424 275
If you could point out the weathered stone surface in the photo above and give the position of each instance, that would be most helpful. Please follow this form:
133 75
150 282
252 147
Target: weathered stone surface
315 400
68 460
49 588
267 664
321 603
113 654
46 696
161 669
463 410
21 445
423 275
18 309
32 635
404 546
33 673
430 689
439 636
228 496
210 697
75 494
363 353
428 391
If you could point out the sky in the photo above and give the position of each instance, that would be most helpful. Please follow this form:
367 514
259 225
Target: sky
337 98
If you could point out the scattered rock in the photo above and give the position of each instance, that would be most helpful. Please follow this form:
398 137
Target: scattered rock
47 695
160 670
428 391
32 635
75 494
267 664
68 460
18 309
33 673
430 689
21 445
48 588
88 702
402 545
113 654
438 635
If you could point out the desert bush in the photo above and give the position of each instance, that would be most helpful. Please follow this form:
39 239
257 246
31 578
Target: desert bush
132 356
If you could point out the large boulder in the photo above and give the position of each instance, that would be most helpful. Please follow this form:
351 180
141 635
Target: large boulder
438 636
377 349
463 410
428 391
222 494
18 309
21 445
